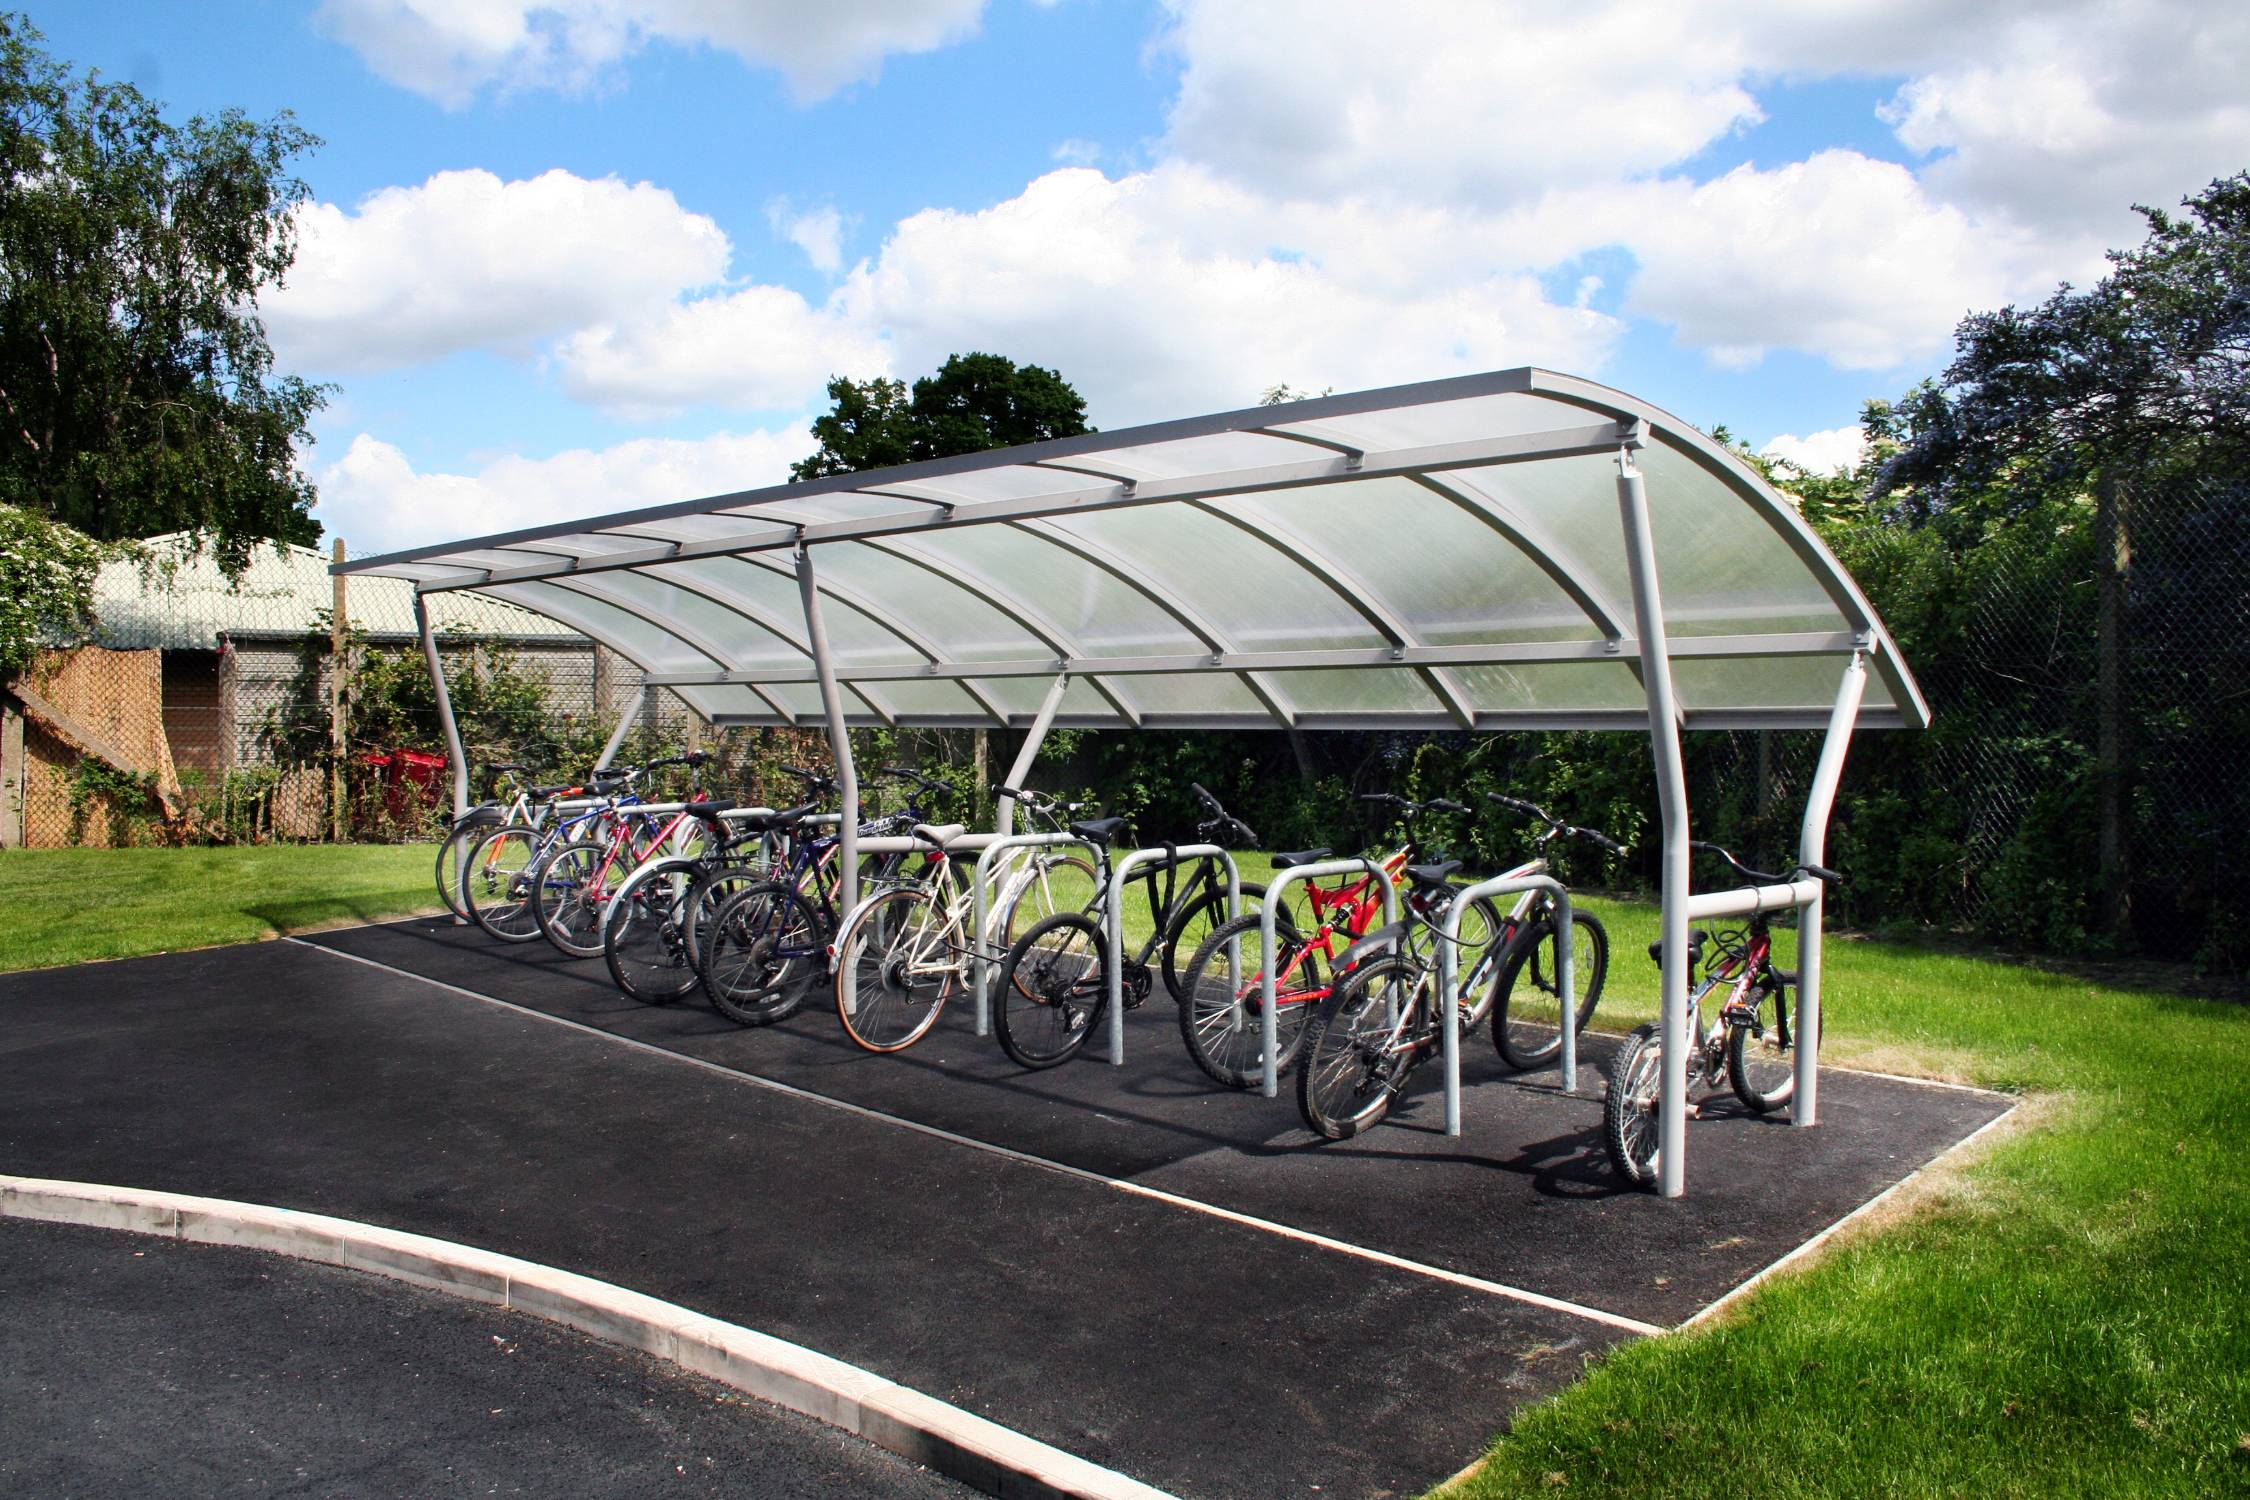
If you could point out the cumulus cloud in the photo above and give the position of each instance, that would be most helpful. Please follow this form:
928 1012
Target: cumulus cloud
375 496
467 261
818 232
1828 452
752 350
450 50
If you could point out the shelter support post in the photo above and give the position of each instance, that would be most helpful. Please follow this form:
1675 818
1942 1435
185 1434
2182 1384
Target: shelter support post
444 707
1812 849
840 748
1006 822
625 723
1671 796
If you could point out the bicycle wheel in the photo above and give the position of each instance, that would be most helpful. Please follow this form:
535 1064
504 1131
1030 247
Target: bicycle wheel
1064 883
1355 1061
1053 991
497 881
644 936
757 948
1220 1014
1762 1050
1629 1124
895 969
711 890
1527 991
1193 928
452 859
568 897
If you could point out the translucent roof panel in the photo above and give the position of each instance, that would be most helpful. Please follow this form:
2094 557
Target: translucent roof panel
1444 553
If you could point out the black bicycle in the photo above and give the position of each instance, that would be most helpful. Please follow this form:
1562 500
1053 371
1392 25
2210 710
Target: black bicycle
1053 989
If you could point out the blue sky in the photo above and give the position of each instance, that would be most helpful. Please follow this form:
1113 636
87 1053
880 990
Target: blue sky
567 253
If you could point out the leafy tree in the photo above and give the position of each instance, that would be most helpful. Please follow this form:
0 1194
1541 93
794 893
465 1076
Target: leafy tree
974 402
46 583
137 390
2153 358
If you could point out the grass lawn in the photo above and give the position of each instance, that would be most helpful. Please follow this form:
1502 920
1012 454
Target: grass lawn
2068 1314
68 905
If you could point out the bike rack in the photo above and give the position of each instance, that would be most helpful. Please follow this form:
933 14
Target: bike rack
1113 926
1449 979
980 887
1268 1023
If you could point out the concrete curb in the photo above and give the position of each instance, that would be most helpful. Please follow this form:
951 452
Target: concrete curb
930 1432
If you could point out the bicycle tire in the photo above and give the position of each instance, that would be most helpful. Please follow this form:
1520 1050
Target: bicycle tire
709 892
1231 1051
1349 1071
1526 1009
1763 1074
644 934
1045 903
897 958
1193 927
453 854
1630 1128
1053 991
570 910
751 963
497 884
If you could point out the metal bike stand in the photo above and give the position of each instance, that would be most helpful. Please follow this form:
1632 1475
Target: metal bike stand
1113 924
1268 1023
980 887
1449 979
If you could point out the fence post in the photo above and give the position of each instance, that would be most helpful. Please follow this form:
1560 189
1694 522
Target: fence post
11 773
2114 563
338 667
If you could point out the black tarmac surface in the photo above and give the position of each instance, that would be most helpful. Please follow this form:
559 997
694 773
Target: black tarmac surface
133 1366
1202 1355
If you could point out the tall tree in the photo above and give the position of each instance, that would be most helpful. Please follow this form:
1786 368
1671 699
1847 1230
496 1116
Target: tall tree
138 393
974 402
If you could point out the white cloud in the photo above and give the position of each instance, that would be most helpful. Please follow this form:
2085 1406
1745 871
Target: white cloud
1828 452
757 349
450 50
467 261
375 497
818 232
1841 256
1172 291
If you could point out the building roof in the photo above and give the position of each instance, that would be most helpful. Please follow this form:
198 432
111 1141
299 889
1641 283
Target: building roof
178 599
1449 554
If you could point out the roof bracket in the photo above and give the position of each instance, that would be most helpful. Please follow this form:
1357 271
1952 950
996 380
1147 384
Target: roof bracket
1613 647
1633 433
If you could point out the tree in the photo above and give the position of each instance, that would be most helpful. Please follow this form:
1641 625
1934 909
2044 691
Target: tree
46 584
137 390
974 402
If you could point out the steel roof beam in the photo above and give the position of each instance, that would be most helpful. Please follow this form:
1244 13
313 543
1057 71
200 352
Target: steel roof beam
579 620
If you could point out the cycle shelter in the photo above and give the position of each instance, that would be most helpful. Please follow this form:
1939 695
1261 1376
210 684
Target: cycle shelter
1515 550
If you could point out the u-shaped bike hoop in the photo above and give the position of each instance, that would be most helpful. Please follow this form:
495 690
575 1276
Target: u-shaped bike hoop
1449 979
980 885
1113 925
1269 1024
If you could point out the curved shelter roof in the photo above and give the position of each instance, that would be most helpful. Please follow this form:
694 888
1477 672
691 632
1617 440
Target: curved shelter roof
1448 554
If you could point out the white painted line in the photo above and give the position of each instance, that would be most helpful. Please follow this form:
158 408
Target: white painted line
996 1459
1138 1190
1744 1288
1927 1083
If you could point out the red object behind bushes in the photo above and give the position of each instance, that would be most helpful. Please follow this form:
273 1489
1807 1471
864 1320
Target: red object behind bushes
413 782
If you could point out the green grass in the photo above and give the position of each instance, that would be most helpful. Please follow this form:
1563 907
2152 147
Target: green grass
68 905
2067 1315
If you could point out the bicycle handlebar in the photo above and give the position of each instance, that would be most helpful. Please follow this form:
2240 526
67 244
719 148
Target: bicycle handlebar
1569 830
1221 821
1820 873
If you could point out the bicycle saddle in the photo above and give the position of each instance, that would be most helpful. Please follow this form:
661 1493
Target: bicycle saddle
542 793
1436 874
709 811
939 834
1696 938
787 817
1301 857
1099 830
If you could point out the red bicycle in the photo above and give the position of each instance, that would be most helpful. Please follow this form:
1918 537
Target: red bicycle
1221 1021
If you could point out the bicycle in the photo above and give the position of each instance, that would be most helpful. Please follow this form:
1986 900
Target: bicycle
757 938
653 923
500 875
902 951
1223 999
1054 985
1749 1037
1380 1018
1526 1006
573 885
